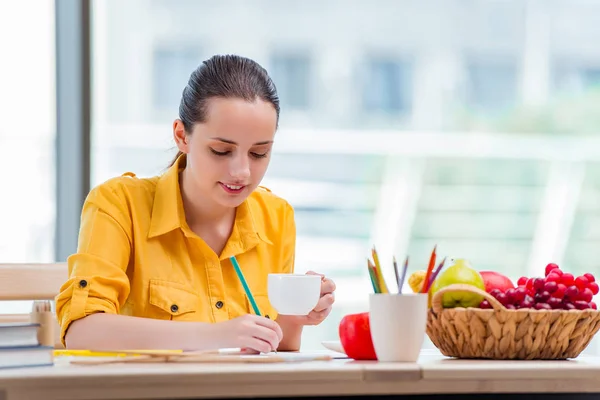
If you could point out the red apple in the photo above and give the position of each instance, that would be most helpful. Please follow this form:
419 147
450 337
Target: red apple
355 336
495 280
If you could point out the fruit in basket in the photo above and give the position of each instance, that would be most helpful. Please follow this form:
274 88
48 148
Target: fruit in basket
460 272
495 280
355 336
550 267
557 290
415 281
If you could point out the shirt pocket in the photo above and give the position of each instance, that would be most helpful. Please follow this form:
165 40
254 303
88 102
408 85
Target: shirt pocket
172 300
264 306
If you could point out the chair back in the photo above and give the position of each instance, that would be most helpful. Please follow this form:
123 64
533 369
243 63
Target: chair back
31 282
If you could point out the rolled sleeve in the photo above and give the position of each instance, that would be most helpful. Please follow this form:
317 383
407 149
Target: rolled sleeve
98 281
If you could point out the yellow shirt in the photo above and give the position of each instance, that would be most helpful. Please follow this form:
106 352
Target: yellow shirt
137 255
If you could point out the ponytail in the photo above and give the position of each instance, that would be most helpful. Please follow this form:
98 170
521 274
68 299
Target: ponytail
179 153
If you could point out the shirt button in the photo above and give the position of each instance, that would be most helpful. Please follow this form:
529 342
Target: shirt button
82 283
219 304
174 308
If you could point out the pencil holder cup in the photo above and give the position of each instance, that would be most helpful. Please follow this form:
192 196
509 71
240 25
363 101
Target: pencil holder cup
47 327
398 323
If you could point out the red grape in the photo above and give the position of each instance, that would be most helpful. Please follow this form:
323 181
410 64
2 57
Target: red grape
522 281
594 288
485 304
568 306
560 291
529 284
572 292
502 299
567 279
550 286
550 267
519 295
527 302
542 297
586 295
510 296
511 307
538 283
581 282
553 277
593 306
555 303
580 304
495 292
590 277
542 306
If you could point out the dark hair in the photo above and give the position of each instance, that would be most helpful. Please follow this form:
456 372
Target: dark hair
226 76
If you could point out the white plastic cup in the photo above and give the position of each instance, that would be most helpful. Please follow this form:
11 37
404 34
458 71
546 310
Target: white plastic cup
398 324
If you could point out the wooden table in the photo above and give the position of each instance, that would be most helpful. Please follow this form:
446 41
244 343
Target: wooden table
432 376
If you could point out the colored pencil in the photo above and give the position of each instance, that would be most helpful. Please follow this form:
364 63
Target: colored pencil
238 271
375 277
436 273
397 275
381 280
425 286
404 270
372 276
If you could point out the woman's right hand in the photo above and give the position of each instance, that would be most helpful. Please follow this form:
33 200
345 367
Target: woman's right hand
249 332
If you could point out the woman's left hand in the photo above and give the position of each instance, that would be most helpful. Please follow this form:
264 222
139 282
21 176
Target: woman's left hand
323 307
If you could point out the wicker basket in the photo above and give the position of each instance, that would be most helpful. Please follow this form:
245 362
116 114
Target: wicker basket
500 333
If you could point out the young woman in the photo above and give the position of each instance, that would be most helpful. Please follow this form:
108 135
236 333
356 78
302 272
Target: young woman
152 269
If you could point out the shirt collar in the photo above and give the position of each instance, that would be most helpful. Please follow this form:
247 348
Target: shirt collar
168 214
167 211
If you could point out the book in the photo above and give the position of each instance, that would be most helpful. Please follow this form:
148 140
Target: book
28 356
18 334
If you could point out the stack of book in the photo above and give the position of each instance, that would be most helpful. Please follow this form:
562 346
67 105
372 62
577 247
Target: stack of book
20 346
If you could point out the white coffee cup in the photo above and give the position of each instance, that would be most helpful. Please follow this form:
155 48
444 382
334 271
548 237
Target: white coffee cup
294 294
398 323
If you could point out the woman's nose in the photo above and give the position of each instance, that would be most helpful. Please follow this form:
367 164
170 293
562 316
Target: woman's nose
240 169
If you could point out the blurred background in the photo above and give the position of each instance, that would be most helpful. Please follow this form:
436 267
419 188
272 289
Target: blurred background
470 124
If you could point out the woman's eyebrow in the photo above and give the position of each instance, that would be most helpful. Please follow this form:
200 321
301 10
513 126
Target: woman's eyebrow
232 142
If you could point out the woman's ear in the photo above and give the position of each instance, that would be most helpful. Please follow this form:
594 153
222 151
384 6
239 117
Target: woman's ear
180 136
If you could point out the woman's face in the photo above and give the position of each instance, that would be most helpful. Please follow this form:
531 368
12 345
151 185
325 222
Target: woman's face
228 155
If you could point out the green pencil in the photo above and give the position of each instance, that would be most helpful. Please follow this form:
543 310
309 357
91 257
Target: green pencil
238 271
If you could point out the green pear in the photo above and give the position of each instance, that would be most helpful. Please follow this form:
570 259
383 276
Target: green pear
460 272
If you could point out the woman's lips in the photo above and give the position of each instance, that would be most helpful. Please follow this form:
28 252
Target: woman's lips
231 188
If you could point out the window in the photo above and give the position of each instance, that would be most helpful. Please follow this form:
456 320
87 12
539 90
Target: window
492 87
292 76
171 71
576 79
387 86
27 132
487 208
27 135
591 76
354 161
